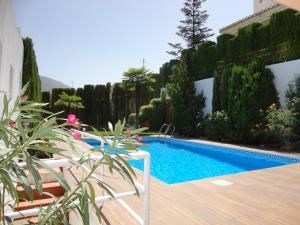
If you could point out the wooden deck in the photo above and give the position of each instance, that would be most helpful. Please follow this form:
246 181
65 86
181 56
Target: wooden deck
269 196
262 197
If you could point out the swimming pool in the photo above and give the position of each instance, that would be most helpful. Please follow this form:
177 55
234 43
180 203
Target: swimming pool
175 161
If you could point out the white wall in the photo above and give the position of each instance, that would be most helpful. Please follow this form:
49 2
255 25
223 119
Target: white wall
206 86
11 53
284 74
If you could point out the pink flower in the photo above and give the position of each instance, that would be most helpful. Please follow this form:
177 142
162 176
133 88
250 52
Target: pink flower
12 124
139 139
72 119
128 130
76 135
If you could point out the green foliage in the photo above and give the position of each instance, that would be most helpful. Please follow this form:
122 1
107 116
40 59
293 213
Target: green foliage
216 102
223 47
55 95
70 102
187 107
293 98
203 61
294 89
224 90
88 102
131 119
153 113
107 105
99 107
44 137
192 29
46 98
166 71
281 123
274 42
251 90
242 93
218 126
30 72
133 79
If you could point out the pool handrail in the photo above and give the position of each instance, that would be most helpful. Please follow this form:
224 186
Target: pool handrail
162 127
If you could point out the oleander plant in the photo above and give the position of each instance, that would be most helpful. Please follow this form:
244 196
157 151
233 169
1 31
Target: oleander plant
27 131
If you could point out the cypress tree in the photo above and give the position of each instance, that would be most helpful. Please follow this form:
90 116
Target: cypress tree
99 106
116 107
46 99
87 101
192 29
30 72
81 112
107 105
216 102
224 87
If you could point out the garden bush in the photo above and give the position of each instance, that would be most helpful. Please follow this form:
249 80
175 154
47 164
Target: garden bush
254 91
153 114
280 124
187 106
218 126
273 42
243 91
131 120
293 98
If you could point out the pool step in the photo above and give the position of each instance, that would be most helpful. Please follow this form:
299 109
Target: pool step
46 176
49 185
34 204
53 188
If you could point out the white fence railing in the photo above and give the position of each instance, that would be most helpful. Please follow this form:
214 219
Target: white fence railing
144 189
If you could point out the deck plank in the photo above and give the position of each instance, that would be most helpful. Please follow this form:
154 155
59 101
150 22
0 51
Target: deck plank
268 196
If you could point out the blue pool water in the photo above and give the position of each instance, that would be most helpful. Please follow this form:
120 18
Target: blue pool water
174 161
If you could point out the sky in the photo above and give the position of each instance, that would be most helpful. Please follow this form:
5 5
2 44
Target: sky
94 41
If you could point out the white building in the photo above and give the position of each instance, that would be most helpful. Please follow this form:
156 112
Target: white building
262 10
11 53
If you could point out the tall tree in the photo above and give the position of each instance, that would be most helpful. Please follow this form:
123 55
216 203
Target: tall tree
71 102
30 72
192 29
187 106
107 105
133 78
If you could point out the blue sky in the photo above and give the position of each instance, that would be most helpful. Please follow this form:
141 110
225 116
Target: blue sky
95 41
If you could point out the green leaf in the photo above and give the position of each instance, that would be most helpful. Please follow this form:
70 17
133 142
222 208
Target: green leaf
58 176
37 180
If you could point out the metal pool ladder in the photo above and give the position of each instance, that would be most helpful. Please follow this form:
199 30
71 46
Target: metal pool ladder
168 128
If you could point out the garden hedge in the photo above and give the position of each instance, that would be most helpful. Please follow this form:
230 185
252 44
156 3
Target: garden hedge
273 42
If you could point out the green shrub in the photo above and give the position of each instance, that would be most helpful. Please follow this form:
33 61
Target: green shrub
131 119
46 99
244 91
30 72
186 105
216 102
218 126
153 113
293 98
281 123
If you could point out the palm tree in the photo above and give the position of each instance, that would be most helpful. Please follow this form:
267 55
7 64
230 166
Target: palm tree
69 101
133 78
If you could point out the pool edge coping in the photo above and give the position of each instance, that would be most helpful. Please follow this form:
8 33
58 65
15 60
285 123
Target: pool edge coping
232 146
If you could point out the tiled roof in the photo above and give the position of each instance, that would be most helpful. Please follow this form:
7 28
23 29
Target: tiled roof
249 17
